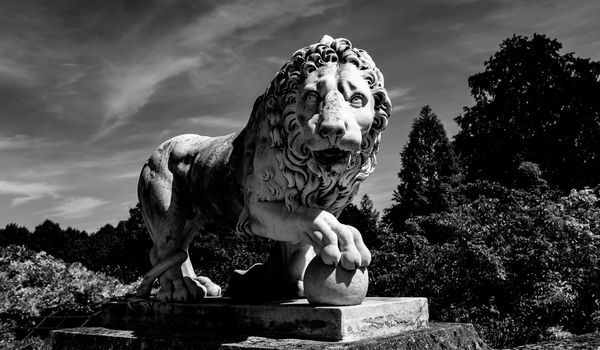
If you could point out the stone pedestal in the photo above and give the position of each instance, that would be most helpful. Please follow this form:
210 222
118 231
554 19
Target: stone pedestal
291 319
439 336
378 323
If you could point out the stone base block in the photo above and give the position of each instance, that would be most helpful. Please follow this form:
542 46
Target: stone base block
375 317
439 336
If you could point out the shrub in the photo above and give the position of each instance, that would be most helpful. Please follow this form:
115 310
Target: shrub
519 265
34 284
8 340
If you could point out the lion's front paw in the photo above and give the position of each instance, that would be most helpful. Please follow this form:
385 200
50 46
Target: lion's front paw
339 243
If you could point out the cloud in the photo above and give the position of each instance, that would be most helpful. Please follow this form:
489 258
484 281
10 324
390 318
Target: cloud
209 121
546 15
128 175
130 90
19 141
15 72
276 60
163 134
401 100
572 24
28 191
397 93
132 81
76 207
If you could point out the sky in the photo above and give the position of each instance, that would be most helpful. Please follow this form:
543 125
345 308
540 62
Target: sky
88 89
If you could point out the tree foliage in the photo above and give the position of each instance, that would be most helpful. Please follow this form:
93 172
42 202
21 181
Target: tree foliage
123 250
216 253
517 264
35 283
120 251
534 104
14 234
365 218
428 171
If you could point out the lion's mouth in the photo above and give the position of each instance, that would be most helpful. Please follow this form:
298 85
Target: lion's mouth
332 156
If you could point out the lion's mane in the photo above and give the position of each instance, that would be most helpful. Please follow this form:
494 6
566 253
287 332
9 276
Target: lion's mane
307 183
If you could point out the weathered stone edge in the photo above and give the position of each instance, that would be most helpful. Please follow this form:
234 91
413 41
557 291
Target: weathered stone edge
437 337
321 323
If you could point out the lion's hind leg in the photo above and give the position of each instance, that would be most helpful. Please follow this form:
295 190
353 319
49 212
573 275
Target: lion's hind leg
178 282
193 282
169 217
143 292
157 270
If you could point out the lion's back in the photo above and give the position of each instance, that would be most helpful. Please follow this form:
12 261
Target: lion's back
194 171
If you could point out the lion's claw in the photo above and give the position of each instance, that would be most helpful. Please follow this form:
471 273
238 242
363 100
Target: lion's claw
351 260
330 254
338 243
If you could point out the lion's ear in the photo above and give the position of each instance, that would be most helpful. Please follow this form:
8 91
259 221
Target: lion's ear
326 39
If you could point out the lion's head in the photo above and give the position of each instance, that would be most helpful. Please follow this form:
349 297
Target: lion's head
325 109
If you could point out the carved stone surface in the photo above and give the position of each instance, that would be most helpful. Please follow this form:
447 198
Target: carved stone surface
288 319
334 285
439 336
310 141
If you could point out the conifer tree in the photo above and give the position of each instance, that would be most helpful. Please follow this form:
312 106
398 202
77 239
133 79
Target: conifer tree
428 171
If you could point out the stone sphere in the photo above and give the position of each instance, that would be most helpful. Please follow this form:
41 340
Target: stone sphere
334 285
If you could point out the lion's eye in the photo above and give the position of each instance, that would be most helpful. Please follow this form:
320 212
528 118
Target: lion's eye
311 97
357 100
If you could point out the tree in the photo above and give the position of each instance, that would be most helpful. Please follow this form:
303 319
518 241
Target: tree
13 234
106 249
136 244
365 218
428 171
49 237
533 104
521 266
76 245
529 177
122 251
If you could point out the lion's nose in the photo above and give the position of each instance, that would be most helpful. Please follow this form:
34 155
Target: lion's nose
331 126
332 129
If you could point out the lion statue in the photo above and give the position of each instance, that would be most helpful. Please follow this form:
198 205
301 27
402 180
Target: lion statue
310 141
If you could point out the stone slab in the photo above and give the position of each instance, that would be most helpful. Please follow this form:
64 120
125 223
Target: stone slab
439 336
291 319
590 341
